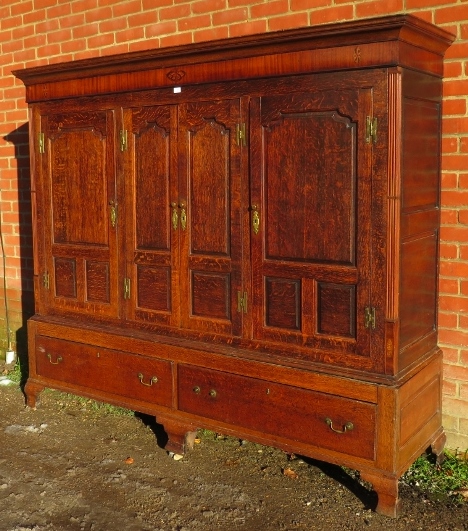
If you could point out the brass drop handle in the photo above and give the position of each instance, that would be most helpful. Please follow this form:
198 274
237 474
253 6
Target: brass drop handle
347 427
174 216
183 215
255 219
58 360
153 380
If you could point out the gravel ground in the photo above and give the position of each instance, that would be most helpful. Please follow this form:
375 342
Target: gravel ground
71 465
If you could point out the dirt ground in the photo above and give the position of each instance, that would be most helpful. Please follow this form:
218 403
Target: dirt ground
70 465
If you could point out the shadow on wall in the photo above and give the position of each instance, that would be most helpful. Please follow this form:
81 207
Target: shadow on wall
20 139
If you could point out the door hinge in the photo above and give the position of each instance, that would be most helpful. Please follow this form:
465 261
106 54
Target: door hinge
41 140
123 140
46 280
240 134
126 288
369 317
242 302
371 130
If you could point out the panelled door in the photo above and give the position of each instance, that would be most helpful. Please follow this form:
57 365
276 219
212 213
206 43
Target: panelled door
184 254
310 219
76 171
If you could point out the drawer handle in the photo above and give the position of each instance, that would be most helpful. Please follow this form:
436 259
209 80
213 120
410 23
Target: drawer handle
197 390
213 393
347 427
59 359
153 380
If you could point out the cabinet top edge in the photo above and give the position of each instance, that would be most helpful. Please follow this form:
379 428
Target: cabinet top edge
405 28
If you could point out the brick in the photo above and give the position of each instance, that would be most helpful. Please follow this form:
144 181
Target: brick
456 407
332 14
303 5
140 20
207 6
132 34
59 36
464 144
99 14
449 286
379 7
455 162
450 144
454 106
454 233
453 337
454 304
450 424
454 13
230 16
456 87
175 12
162 28
453 69
176 40
450 355
288 21
61 11
464 358
457 50
453 198
211 34
148 5
448 320
248 28
194 23
448 250
417 4
269 9
449 388
132 7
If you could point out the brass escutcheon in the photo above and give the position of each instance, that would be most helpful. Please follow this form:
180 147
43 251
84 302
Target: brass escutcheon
196 390
213 393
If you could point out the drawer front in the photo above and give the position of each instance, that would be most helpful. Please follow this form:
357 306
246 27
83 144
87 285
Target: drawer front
115 372
328 421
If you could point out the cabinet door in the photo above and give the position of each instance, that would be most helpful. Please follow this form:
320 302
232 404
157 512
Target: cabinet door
209 210
152 228
77 171
310 214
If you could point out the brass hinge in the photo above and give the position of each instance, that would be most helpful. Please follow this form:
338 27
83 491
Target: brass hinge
242 302
46 280
371 130
41 140
126 288
369 317
123 140
240 134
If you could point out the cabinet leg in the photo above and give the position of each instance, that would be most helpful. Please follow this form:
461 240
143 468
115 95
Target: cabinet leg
32 390
437 447
181 435
387 491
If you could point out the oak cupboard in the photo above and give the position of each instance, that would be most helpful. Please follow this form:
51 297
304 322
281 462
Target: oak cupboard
242 235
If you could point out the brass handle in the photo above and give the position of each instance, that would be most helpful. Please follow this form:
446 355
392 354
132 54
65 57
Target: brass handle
183 215
347 427
153 380
58 360
175 216
255 219
213 393
196 390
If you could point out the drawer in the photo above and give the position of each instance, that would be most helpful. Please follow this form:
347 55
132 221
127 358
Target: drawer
112 371
333 422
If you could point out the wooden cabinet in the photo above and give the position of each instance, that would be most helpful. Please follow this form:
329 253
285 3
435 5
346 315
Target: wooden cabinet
243 236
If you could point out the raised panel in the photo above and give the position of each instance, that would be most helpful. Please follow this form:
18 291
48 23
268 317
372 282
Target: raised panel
151 137
210 295
310 187
65 278
336 310
283 303
154 288
97 281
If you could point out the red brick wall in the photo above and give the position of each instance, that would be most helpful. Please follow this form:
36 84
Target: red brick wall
34 32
